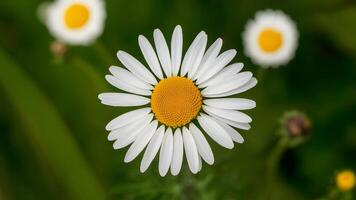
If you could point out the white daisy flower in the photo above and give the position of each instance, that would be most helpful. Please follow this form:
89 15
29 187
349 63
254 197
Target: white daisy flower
181 101
76 22
270 39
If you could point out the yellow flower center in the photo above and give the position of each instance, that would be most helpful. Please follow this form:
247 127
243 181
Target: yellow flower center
345 180
175 101
76 16
270 40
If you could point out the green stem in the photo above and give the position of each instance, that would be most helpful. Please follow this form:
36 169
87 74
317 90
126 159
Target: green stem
272 164
348 195
260 73
189 188
104 54
97 82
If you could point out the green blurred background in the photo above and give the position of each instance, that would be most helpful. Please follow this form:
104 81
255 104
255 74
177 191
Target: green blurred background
52 139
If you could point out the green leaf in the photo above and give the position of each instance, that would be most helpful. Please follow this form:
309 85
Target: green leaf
341 27
47 132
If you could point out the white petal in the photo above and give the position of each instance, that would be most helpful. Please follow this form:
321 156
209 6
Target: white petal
220 62
215 131
141 141
127 118
226 74
43 11
231 103
126 87
122 99
208 58
176 49
136 67
150 56
233 115
177 158
234 83
128 77
191 151
200 164
126 137
163 52
187 60
243 126
166 152
122 132
235 136
152 149
197 55
203 146
250 84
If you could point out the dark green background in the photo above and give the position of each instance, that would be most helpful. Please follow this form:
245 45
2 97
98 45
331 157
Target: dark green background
52 139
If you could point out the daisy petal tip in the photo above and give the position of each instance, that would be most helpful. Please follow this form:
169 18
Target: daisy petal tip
127 159
141 39
112 67
108 77
108 127
162 173
174 172
230 145
143 169
121 55
210 162
157 31
253 104
178 27
119 52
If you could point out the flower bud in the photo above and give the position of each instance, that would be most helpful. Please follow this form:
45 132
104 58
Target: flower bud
58 48
295 126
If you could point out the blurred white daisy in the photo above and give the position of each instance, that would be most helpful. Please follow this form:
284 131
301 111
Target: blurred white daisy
175 98
270 39
75 22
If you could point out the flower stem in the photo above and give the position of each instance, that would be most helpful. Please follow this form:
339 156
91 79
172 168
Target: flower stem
103 53
272 164
189 185
260 73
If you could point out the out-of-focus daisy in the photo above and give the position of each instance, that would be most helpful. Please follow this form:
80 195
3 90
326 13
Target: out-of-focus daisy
270 39
345 180
179 99
76 22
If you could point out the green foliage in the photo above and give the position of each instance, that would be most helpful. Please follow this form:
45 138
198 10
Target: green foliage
341 27
47 132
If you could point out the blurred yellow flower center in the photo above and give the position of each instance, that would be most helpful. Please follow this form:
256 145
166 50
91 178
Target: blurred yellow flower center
175 101
270 40
76 16
345 180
